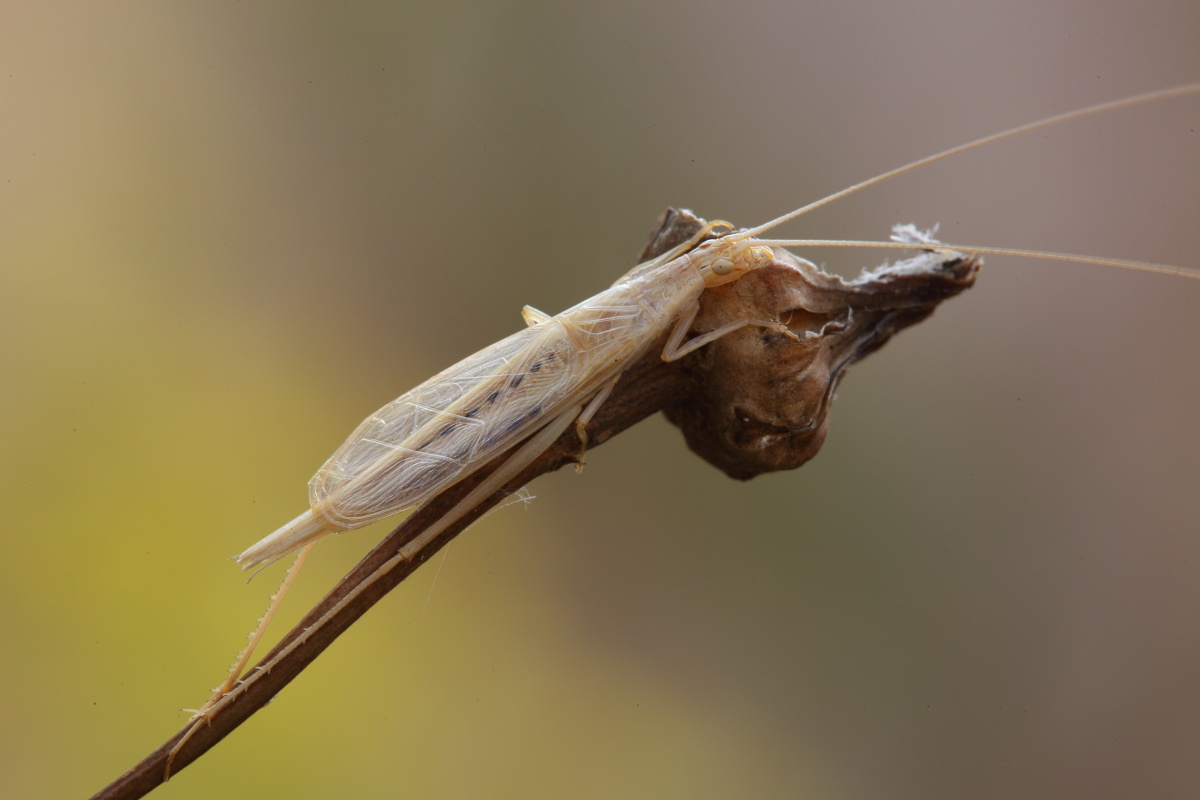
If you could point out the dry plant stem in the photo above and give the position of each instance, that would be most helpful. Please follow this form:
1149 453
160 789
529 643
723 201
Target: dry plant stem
642 390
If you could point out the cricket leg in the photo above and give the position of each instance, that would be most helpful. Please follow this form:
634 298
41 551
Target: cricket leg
200 715
522 457
588 412
534 317
677 348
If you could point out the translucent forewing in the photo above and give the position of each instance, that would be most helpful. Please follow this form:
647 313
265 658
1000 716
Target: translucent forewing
438 432
419 441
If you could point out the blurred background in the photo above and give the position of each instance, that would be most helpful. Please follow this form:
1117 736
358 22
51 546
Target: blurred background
229 231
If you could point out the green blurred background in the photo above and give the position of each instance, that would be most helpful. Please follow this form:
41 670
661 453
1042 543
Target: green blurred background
228 231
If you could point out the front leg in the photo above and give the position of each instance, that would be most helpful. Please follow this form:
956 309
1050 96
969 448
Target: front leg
677 348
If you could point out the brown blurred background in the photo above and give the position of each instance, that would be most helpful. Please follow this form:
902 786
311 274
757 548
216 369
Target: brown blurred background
228 231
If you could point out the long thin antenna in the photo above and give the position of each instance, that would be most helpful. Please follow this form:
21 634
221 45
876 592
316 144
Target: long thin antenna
1112 105
1144 266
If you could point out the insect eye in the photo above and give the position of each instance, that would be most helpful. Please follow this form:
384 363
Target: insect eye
722 266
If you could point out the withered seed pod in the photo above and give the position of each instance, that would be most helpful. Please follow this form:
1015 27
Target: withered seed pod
760 400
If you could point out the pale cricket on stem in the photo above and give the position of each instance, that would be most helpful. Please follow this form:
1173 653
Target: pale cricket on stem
525 391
